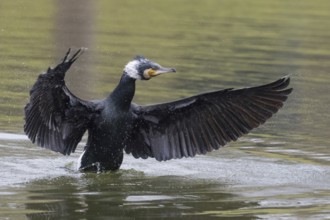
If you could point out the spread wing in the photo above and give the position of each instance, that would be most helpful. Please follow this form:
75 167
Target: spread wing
202 123
55 118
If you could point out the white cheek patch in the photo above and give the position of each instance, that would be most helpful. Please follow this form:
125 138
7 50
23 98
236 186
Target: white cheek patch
131 69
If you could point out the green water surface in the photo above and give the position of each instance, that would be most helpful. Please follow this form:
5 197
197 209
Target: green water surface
281 170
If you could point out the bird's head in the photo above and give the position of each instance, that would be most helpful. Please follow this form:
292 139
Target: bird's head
144 69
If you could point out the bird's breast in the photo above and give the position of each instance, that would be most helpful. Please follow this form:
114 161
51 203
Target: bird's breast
114 125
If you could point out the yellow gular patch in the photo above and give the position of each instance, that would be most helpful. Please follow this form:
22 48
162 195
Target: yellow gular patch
148 73
152 72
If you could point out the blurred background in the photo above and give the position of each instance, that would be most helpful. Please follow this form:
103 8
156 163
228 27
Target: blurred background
280 170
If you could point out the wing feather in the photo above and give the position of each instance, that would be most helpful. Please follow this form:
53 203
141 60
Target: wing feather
202 123
55 118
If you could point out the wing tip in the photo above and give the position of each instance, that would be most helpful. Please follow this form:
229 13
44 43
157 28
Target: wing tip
284 85
280 85
66 63
75 56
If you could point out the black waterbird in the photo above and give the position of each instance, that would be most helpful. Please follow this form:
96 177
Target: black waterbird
56 119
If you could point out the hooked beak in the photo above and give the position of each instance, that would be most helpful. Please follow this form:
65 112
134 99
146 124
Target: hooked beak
159 71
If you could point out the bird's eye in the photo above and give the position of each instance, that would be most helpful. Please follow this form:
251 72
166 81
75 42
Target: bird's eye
154 68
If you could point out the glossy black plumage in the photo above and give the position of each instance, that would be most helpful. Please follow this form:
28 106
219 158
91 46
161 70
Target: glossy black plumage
56 119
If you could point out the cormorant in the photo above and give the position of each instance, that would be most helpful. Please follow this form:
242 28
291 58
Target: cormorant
56 119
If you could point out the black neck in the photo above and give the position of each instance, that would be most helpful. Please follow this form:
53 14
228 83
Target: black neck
123 94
